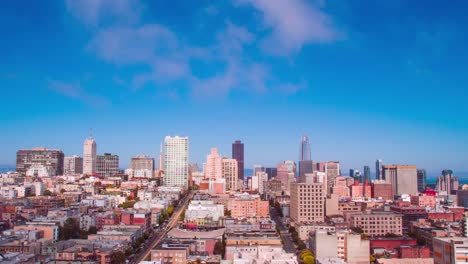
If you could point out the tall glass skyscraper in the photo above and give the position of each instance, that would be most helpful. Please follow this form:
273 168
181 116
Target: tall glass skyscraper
305 148
421 180
238 154
367 174
378 169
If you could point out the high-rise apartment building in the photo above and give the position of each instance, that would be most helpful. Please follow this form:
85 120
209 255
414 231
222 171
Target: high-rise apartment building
332 169
89 156
447 182
230 173
378 169
50 159
305 148
73 165
404 178
367 176
307 202
107 165
213 165
238 154
176 161
421 180
142 166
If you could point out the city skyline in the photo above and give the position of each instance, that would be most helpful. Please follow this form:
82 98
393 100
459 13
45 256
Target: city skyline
396 81
124 163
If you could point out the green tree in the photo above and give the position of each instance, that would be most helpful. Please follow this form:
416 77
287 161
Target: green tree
92 230
84 234
118 258
69 230
308 260
47 193
170 210
218 248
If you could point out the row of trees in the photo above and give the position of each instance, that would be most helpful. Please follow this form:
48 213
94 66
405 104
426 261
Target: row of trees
307 257
71 230
296 239
166 214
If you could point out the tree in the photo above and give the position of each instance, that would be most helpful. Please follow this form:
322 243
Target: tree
118 258
92 230
218 248
84 234
47 193
308 260
69 230
62 191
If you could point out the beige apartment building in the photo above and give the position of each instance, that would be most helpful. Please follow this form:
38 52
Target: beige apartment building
230 173
307 202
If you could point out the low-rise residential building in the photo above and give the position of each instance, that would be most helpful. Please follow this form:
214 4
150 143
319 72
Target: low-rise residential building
378 223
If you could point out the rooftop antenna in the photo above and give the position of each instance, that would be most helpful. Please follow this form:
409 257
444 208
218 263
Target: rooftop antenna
91 132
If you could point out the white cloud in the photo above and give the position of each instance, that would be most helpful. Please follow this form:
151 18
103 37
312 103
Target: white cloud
293 24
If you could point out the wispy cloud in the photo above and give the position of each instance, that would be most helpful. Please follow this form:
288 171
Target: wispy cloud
293 24
168 57
76 91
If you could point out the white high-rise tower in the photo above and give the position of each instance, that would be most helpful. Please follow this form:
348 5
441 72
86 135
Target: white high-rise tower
176 161
89 156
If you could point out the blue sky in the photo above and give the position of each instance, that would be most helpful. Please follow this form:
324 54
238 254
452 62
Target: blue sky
364 79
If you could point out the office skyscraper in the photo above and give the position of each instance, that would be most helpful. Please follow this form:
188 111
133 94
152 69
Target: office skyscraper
89 156
305 148
378 169
404 178
238 154
447 182
367 174
258 168
176 161
421 180
48 159
73 165
107 165
272 172
306 166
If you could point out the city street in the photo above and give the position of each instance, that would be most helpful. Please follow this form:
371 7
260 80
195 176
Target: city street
288 243
161 234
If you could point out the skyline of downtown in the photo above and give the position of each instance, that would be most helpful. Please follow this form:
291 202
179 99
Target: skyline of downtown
125 163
